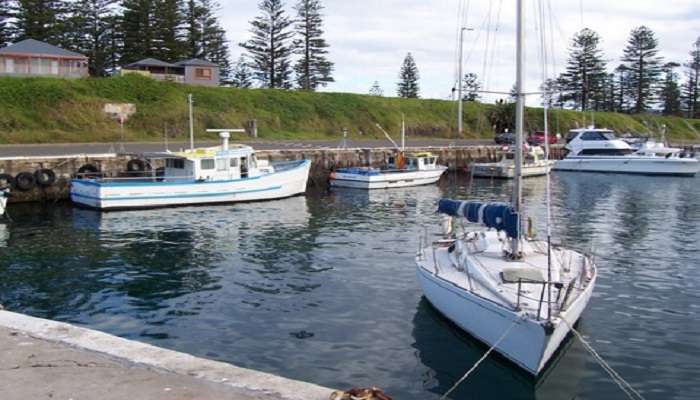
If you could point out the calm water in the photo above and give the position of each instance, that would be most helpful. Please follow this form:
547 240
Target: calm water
322 288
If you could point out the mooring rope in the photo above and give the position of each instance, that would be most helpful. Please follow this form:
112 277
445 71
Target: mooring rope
619 380
476 364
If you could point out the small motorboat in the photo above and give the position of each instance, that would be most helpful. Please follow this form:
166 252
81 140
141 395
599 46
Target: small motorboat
222 174
534 164
598 150
4 194
402 170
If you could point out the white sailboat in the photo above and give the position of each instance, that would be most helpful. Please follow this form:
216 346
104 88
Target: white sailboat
518 295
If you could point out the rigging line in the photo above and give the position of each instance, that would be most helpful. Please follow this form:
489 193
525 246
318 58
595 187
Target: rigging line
488 40
626 387
456 47
479 361
495 47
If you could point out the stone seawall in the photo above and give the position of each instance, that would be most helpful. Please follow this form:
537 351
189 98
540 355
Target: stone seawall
65 167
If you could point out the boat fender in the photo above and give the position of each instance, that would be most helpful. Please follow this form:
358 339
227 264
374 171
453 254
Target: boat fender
6 181
136 165
25 181
87 171
45 177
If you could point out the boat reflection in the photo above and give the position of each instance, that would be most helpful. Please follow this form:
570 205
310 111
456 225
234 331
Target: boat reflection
447 353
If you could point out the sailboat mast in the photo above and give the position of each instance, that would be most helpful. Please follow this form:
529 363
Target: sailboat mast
519 115
460 103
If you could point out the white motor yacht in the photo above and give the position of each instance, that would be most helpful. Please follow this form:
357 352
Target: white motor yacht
598 150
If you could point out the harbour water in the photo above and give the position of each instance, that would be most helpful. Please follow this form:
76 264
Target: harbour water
322 288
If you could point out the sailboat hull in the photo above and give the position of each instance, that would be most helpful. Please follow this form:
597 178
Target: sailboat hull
527 344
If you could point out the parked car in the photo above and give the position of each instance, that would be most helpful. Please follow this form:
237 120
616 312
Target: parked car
537 138
505 138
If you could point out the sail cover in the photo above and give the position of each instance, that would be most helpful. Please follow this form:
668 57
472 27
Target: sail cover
499 216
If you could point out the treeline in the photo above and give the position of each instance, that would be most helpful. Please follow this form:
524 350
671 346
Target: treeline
642 82
114 33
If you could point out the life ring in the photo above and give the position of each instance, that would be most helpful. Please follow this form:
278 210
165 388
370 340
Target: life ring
88 171
25 181
6 181
45 177
135 165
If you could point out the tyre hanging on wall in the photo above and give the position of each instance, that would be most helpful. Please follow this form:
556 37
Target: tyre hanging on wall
45 177
136 165
88 171
6 181
25 181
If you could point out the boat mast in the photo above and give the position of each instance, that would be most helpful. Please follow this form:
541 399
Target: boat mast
519 111
460 105
189 103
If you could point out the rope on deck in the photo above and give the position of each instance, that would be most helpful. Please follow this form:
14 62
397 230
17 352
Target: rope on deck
479 361
621 382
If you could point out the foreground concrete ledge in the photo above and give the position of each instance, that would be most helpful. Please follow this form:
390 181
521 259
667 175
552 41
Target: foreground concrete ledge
142 354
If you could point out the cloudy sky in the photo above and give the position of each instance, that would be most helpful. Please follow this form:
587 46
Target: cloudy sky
369 38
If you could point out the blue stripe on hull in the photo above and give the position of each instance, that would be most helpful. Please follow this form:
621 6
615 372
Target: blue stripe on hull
176 196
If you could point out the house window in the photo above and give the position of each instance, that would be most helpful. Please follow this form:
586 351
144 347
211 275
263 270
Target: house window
10 65
202 73
207 163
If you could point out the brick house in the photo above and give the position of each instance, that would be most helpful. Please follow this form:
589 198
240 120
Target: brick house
35 58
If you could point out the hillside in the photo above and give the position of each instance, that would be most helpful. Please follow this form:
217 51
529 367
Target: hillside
45 110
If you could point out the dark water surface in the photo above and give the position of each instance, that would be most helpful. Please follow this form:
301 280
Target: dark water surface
322 288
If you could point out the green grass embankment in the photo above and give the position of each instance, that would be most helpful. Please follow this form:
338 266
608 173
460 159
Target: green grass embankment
47 110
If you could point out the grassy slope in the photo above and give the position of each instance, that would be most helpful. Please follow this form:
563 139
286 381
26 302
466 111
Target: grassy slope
42 110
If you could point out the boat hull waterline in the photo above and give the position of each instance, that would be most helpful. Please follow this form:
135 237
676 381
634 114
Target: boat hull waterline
500 171
386 180
286 182
630 165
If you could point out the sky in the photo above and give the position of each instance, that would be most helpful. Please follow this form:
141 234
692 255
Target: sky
370 38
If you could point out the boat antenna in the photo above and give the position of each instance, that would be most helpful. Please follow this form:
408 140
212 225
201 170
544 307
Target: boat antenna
519 115
403 132
189 103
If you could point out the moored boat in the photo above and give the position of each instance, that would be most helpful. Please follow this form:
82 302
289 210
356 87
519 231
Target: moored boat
598 150
402 171
4 194
222 174
534 164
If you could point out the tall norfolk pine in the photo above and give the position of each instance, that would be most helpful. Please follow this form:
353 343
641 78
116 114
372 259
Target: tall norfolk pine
643 68
269 49
313 69
408 79
584 79
691 88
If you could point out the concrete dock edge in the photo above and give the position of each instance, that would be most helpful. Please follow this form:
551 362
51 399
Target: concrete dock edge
142 354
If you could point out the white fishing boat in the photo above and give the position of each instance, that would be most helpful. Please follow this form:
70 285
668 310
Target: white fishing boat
534 164
222 174
4 194
518 295
402 171
598 150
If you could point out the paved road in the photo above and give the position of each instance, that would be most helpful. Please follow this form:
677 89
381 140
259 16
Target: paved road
39 150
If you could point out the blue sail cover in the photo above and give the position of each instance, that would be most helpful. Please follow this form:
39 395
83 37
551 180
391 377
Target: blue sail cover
499 216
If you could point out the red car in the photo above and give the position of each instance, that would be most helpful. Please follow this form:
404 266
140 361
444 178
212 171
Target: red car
537 138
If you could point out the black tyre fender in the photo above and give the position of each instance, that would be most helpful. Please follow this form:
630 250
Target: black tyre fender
25 181
88 171
6 181
45 177
136 165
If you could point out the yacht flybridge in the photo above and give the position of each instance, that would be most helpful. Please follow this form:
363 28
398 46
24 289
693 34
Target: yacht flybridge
598 150
226 173
519 295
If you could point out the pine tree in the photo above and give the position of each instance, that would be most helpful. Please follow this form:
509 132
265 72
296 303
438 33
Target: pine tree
269 48
204 36
92 27
138 29
168 25
376 90
691 88
313 68
41 20
643 67
470 87
241 76
670 93
583 80
408 79
622 88
5 26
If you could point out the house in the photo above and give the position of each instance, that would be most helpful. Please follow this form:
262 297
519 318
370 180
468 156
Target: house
35 58
192 72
